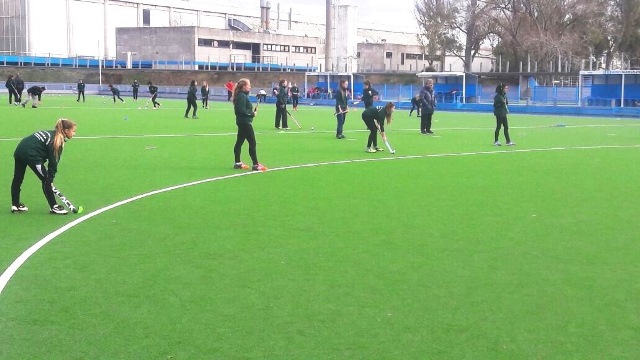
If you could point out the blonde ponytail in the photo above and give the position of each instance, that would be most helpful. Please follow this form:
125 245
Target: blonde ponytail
58 138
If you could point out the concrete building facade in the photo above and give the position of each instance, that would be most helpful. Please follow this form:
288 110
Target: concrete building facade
217 46
155 30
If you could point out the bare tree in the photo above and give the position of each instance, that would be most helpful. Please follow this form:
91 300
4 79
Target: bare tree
458 27
473 21
436 38
558 34
623 20
545 30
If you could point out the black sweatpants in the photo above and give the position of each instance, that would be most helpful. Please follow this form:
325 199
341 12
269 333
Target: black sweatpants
80 93
191 102
245 132
425 122
135 94
18 177
281 114
501 121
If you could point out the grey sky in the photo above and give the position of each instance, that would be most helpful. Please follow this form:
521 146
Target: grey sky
395 15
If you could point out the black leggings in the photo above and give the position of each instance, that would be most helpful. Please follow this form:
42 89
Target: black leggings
13 96
373 132
80 93
205 101
41 172
191 103
294 101
153 100
245 132
501 121
414 105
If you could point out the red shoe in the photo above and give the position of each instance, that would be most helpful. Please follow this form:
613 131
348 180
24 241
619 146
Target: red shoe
258 167
241 166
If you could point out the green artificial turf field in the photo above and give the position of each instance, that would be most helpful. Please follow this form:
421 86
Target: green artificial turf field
450 249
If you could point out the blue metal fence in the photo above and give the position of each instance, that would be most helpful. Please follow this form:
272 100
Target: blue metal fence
84 62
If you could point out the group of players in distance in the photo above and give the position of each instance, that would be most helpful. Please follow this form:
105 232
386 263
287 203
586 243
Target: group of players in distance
41 151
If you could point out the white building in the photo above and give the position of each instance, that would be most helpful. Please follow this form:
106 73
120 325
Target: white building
87 28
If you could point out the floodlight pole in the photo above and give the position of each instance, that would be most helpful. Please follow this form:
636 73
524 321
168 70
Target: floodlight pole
328 44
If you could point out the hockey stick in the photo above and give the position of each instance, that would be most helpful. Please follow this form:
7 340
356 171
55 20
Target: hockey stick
75 210
341 111
384 137
356 102
294 119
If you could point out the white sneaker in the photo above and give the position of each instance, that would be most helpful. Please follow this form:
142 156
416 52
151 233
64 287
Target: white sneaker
497 143
59 210
18 209
511 143
370 150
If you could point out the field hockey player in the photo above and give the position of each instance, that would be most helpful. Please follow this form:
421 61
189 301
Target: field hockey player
34 151
244 117
376 114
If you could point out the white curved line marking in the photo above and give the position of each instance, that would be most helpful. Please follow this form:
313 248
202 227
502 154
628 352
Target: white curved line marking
20 260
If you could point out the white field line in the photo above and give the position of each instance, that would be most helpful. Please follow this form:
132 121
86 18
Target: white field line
20 260
323 131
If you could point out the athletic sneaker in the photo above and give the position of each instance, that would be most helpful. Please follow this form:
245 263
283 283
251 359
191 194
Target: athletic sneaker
286 128
34 107
194 117
379 148
511 143
241 166
370 150
23 105
59 210
340 136
186 117
497 143
258 167
20 208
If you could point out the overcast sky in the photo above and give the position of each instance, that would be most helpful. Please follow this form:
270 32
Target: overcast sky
395 15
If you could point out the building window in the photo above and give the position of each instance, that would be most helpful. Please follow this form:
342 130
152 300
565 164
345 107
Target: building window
302 49
206 42
388 54
214 43
278 48
146 17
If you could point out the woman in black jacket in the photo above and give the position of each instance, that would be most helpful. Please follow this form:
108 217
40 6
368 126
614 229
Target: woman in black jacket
244 117
192 100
